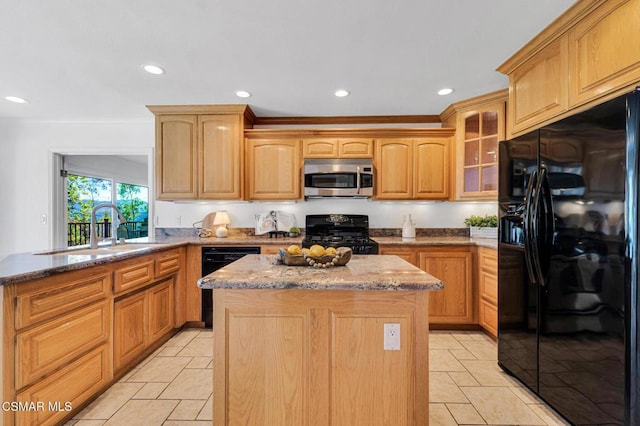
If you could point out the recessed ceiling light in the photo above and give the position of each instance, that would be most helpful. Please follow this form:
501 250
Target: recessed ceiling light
16 99
243 94
341 93
153 69
445 91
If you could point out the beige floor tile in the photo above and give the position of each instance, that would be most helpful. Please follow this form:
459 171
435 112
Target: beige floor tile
198 347
161 369
462 354
463 335
70 422
190 384
150 390
465 414
443 360
463 378
143 412
207 410
199 362
443 341
210 365
182 338
186 423
481 349
500 406
129 374
442 388
439 415
187 409
169 351
89 423
487 373
207 332
548 415
525 395
109 402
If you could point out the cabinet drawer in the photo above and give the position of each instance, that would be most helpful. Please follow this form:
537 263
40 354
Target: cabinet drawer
489 317
45 348
46 298
132 276
489 287
488 260
75 383
167 263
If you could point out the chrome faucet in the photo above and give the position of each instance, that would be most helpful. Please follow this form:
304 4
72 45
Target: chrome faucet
93 237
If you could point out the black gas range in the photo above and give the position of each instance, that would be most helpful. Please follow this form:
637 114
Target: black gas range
340 230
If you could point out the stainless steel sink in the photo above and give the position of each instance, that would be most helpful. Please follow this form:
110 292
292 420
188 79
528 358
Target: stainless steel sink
101 251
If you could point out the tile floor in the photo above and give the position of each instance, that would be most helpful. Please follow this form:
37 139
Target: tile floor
173 386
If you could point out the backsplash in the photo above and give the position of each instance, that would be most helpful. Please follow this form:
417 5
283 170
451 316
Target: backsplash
373 232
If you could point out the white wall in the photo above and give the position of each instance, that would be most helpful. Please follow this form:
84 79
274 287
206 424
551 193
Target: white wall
26 152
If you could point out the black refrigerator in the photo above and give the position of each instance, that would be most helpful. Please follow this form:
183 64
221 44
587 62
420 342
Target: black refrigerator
568 325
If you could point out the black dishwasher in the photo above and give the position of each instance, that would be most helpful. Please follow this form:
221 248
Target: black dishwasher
214 258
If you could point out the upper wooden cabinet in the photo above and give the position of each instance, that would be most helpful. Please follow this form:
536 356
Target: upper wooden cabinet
591 53
412 169
604 51
199 151
274 169
337 148
480 126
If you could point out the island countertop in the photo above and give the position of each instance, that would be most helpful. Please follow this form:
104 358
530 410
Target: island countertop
363 272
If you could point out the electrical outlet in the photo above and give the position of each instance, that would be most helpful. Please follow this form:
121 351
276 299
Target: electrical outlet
391 337
178 220
43 219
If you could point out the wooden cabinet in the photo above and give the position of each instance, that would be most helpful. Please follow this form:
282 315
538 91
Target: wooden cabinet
487 270
539 91
199 151
453 266
410 169
294 357
604 51
589 54
337 148
273 169
480 124
139 320
176 157
67 334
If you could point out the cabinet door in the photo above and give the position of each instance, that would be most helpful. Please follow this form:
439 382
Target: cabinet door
394 169
605 51
176 153
160 310
406 253
320 148
129 329
220 156
273 167
431 168
355 148
453 304
538 88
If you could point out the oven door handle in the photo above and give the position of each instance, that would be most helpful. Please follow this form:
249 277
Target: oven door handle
358 180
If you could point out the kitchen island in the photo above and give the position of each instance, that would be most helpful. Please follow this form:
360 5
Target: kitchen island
342 346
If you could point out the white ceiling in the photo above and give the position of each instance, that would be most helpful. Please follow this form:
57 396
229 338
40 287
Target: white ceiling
80 60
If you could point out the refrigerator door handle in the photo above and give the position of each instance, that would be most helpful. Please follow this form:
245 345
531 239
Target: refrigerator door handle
535 227
527 225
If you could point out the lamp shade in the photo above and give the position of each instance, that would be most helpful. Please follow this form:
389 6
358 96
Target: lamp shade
222 218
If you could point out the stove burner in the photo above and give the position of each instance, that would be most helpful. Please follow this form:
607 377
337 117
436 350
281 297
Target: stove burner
337 230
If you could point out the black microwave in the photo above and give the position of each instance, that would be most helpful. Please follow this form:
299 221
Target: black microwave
338 178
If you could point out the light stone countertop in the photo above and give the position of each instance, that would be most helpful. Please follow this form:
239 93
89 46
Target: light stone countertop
363 272
437 241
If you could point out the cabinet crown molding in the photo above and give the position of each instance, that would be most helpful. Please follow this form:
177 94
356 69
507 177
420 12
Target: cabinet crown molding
373 133
240 109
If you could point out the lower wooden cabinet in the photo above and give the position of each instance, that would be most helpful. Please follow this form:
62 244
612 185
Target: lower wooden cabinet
453 304
488 290
301 357
74 384
140 320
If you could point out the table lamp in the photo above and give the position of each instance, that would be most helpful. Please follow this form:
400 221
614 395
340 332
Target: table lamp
222 219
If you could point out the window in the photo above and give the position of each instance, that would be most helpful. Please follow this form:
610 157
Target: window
85 192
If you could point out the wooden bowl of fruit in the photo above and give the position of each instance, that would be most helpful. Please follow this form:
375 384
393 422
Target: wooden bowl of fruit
315 256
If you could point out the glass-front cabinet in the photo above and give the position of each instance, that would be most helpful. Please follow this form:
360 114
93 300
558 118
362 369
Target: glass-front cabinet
480 125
